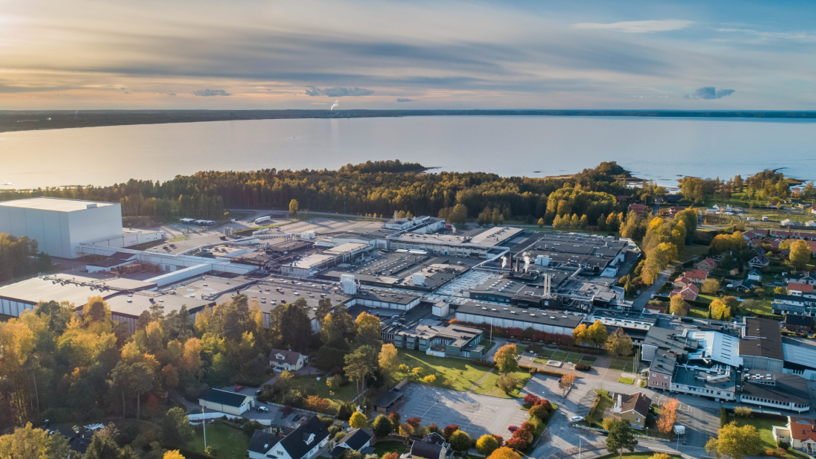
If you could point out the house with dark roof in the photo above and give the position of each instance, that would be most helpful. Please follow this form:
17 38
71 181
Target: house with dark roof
760 260
800 433
355 440
281 359
261 444
630 407
761 345
433 446
797 323
303 442
755 275
387 401
226 402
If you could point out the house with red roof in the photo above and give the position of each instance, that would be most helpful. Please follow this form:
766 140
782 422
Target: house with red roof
795 288
706 265
781 234
756 242
639 209
688 293
806 235
681 282
698 276
800 433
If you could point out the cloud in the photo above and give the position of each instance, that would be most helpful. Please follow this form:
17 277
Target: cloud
405 100
637 26
709 92
338 92
211 92
171 94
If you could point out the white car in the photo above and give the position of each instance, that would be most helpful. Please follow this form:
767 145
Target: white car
576 418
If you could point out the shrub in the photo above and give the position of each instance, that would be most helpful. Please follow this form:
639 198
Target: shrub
582 367
517 444
540 412
545 403
415 422
742 411
531 399
449 430
783 444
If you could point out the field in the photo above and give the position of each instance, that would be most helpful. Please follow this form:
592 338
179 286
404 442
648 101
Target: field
691 251
456 374
231 443
563 356
310 385
626 380
488 386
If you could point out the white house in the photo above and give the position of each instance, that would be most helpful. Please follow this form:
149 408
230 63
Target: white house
226 402
281 359
302 443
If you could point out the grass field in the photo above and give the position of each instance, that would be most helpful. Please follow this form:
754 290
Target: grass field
626 380
700 313
488 386
690 251
310 385
385 447
623 364
231 443
564 356
488 345
456 374
596 416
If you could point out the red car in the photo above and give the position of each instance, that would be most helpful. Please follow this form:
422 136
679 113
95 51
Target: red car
512 428
239 388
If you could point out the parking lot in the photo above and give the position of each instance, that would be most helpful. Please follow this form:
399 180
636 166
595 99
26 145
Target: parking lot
475 414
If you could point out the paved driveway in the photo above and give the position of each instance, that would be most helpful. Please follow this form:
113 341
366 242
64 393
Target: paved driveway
475 414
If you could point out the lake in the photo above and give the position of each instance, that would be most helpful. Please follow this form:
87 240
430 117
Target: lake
652 148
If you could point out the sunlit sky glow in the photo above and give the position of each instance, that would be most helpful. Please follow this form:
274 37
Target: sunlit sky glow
253 54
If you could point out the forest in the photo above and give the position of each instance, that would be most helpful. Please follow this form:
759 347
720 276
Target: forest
373 188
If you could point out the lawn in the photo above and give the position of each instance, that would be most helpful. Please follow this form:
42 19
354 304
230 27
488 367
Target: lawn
596 416
180 238
310 385
699 313
624 364
626 380
456 374
385 447
488 386
488 345
231 443
564 356
690 251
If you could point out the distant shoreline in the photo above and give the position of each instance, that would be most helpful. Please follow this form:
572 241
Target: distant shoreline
17 121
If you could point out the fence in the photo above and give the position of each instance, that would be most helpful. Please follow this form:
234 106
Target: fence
636 435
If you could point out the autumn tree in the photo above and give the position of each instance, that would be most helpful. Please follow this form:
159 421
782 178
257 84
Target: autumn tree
360 364
388 359
677 306
486 444
710 286
566 383
799 254
367 329
596 334
293 207
507 382
459 441
719 311
358 420
619 343
30 443
382 426
668 416
735 442
506 358
620 437
504 453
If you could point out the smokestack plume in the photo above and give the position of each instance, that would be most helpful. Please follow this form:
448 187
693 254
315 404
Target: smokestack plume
335 104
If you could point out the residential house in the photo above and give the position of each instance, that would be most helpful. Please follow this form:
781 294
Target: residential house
303 442
261 443
280 359
674 210
756 242
793 304
355 440
800 433
810 223
743 285
803 278
681 282
797 323
706 265
698 276
226 402
639 209
654 309
760 260
755 275
433 446
795 288
688 293
754 234
630 407
781 234
805 235
786 222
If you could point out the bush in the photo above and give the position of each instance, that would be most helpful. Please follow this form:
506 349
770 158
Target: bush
783 444
530 399
723 417
582 367
742 411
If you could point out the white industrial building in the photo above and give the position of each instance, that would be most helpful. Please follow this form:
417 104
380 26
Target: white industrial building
60 225
556 322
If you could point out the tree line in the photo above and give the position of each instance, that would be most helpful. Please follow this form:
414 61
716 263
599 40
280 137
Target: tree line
20 258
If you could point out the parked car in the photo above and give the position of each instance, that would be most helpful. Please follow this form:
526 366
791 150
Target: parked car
262 409
512 428
258 392
576 418
239 388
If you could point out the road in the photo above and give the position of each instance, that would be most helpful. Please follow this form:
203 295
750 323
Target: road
646 295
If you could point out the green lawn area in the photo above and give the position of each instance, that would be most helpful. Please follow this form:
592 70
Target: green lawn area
626 380
488 345
310 385
690 251
764 426
231 443
488 386
624 364
456 374
564 356
180 238
389 447
700 313
596 416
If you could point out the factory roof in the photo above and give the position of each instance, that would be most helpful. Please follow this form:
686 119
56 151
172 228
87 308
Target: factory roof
711 378
346 249
716 346
136 303
385 296
801 352
538 316
496 235
74 289
54 204
762 339
781 387
313 260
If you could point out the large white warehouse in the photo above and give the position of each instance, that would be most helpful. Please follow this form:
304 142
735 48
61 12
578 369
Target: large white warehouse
60 225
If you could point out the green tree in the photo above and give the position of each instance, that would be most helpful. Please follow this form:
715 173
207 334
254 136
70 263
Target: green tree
506 358
293 207
103 444
459 441
735 442
30 443
358 420
799 254
336 326
324 308
382 426
291 323
360 364
175 428
507 382
620 437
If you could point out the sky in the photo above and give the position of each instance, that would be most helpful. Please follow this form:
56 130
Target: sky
360 54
